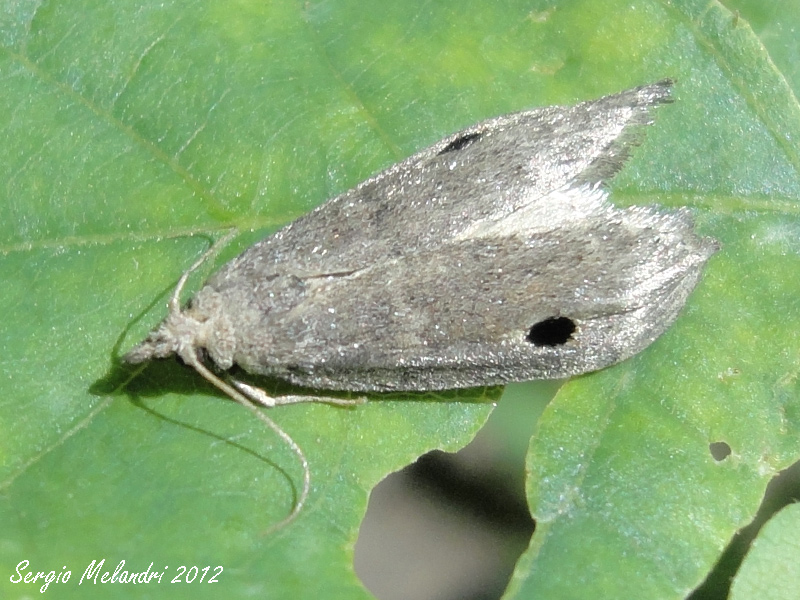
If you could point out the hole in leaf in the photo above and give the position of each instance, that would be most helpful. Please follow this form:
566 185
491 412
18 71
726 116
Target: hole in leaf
784 489
719 450
435 530
454 525
553 331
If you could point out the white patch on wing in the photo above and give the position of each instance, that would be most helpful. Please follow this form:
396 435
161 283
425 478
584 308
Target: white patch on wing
563 207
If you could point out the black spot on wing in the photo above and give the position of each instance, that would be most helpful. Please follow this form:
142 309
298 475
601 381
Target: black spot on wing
553 331
461 142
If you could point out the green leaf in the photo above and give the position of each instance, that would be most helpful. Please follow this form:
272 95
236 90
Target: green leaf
134 133
628 496
771 570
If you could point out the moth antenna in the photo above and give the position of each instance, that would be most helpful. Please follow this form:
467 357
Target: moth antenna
192 359
197 364
175 301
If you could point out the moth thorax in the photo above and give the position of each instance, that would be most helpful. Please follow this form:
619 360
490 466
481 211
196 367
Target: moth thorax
205 324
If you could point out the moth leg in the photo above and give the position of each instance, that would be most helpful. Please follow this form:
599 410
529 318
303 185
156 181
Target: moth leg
261 397
192 359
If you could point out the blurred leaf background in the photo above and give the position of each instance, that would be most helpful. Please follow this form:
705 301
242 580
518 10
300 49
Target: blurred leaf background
135 133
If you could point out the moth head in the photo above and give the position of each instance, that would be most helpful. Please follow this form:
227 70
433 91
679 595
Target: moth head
159 343
185 332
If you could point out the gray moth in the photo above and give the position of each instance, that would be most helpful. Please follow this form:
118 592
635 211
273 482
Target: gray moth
491 256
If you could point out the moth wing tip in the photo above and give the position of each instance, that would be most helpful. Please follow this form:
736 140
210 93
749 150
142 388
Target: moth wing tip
659 92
